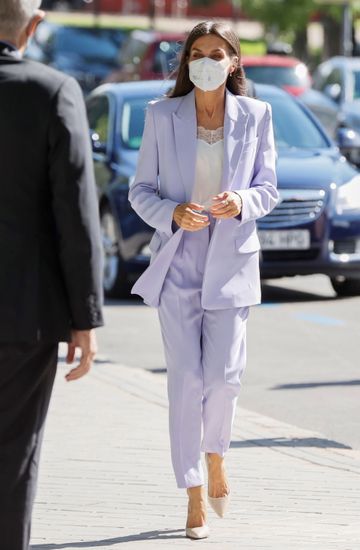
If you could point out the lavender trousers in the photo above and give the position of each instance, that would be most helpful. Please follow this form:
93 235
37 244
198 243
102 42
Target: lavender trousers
205 352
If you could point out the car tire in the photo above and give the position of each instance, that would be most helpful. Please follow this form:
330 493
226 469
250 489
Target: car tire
114 277
345 287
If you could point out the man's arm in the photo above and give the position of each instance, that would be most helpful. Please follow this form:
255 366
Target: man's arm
75 206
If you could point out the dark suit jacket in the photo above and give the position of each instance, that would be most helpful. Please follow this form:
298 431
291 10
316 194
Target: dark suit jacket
50 244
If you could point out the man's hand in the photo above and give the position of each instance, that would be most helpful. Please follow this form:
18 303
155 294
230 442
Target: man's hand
187 216
226 205
86 341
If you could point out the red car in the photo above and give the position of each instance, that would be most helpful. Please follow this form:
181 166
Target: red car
148 55
285 72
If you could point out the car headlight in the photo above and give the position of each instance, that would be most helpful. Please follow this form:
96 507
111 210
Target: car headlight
348 197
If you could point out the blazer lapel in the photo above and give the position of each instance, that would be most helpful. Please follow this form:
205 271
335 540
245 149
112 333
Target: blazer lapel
184 123
185 131
235 126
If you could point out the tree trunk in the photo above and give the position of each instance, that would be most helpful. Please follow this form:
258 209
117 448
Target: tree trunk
300 46
332 37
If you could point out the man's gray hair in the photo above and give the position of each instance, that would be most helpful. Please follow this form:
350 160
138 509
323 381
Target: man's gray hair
15 15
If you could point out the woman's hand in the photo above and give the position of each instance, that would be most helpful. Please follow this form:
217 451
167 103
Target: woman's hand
188 217
226 205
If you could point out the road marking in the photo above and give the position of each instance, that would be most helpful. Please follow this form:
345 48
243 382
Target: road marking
320 319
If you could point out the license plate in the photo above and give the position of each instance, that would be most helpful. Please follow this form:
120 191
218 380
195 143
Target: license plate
297 239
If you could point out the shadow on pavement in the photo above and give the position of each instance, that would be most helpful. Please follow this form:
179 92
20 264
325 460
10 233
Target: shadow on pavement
305 385
169 534
280 295
130 300
315 442
97 360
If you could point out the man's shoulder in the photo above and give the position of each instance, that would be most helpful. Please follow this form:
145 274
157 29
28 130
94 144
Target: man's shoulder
42 76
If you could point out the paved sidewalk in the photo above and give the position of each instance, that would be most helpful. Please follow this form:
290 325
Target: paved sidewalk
106 480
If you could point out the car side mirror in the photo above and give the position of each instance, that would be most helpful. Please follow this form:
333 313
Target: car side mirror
349 144
333 91
97 145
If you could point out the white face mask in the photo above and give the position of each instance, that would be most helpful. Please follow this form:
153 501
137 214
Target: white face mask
208 74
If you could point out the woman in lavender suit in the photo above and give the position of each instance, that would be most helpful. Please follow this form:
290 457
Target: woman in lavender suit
206 173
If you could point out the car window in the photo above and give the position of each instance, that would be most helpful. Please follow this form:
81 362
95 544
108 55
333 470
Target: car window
132 51
335 77
279 76
320 76
355 76
132 122
166 57
99 44
98 117
293 127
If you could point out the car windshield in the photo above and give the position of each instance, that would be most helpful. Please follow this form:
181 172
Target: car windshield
166 57
292 126
89 43
132 121
279 76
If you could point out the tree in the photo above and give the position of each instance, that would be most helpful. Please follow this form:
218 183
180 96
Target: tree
288 19
285 15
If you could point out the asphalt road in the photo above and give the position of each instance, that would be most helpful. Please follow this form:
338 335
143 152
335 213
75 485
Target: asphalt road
303 354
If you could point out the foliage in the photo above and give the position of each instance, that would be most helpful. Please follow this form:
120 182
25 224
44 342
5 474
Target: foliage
285 15
252 47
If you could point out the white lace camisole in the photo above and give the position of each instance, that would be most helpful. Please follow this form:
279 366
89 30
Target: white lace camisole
209 165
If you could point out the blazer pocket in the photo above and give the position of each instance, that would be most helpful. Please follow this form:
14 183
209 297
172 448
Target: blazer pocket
155 242
250 145
247 244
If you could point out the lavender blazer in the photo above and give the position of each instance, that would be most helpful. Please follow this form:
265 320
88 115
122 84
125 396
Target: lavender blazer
165 177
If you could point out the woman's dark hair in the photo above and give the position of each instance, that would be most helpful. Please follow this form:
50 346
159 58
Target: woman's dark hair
236 83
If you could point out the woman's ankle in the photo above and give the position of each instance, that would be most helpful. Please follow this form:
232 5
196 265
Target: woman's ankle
215 458
196 492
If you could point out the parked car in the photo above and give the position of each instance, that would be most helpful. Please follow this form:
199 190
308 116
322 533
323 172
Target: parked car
286 72
339 79
87 53
315 228
327 112
147 55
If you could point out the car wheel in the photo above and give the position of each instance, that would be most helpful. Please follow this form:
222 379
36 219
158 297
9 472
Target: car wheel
114 277
346 287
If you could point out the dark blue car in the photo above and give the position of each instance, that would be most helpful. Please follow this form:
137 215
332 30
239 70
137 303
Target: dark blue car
315 228
89 54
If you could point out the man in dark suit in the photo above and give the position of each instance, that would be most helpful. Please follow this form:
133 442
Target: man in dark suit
50 255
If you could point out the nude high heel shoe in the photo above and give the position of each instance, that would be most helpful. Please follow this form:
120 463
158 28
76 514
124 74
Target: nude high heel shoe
201 532
218 504
197 532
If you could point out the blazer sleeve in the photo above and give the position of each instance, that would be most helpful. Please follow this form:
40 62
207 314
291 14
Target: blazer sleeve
144 194
262 195
75 206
